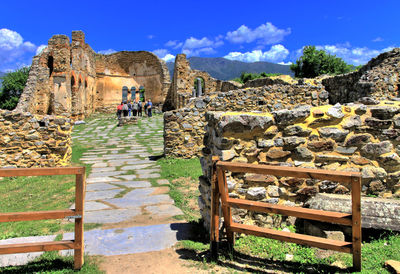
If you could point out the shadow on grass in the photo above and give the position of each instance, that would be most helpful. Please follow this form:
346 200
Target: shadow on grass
42 265
242 262
156 157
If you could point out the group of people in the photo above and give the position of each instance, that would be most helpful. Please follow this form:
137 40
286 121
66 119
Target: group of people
128 108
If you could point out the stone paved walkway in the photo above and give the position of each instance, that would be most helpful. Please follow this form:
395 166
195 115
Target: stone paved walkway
124 191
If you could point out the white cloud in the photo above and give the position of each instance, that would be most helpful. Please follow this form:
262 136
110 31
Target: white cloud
353 55
14 52
378 39
286 64
40 49
107 51
164 55
150 36
193 43
194 46
265 34
277 53
175 44
169 58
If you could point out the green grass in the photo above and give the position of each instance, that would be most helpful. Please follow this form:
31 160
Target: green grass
34 194
177 168
51 262
182 175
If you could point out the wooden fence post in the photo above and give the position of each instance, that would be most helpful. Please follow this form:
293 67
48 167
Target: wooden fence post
79 209
214 233
356 222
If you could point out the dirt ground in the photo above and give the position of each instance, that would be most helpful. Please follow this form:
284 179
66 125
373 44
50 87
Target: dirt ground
165 261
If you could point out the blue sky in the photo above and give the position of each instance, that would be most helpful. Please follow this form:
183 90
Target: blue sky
249 31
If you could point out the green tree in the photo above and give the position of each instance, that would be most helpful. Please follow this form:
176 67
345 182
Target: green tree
315 62
13 84
246 76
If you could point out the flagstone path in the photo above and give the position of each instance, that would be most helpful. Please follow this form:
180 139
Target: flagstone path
124 188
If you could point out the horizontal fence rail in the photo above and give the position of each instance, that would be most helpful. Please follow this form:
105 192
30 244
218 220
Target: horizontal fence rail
77 213
220 194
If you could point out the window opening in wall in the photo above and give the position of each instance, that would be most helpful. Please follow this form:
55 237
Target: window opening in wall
50 64
261 103
199 86
124 93
85 84
72 81
80 83
398 90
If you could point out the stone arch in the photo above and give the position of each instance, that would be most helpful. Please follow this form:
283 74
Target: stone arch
133 68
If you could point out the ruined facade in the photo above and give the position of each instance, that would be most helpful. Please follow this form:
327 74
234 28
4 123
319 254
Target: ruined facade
69 78
183 82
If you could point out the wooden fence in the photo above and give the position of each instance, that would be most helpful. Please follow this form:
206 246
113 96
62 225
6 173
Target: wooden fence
77 213
220 192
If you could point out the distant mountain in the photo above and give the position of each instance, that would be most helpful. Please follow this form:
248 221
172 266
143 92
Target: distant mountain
225 69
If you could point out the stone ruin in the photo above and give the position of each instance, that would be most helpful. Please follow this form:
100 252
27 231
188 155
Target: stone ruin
346 122
69 78
349 122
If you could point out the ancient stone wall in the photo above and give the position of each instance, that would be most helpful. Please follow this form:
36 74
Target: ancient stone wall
183 80
184 128
34 140
356 138
379 79
70 78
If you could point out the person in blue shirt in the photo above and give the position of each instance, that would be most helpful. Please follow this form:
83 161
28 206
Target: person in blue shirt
149 107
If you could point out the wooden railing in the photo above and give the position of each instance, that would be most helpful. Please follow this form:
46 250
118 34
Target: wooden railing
220 192
77 214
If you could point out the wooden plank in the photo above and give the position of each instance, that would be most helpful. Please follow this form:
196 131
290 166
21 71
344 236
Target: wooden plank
337 176
230 235
223 190
37 215
80 188
356 220
305 213
293 237
36 247
215 196
43 171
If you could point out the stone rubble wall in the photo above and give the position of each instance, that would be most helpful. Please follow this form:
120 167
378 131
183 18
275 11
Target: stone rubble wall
379 79
29 140
184 128
354 137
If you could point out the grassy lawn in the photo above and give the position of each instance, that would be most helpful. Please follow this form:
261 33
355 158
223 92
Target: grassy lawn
183 175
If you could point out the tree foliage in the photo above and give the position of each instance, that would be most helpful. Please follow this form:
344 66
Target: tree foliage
315 62
13 84
246 76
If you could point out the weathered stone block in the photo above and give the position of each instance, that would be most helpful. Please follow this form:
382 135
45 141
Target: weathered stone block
256 193
333 132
